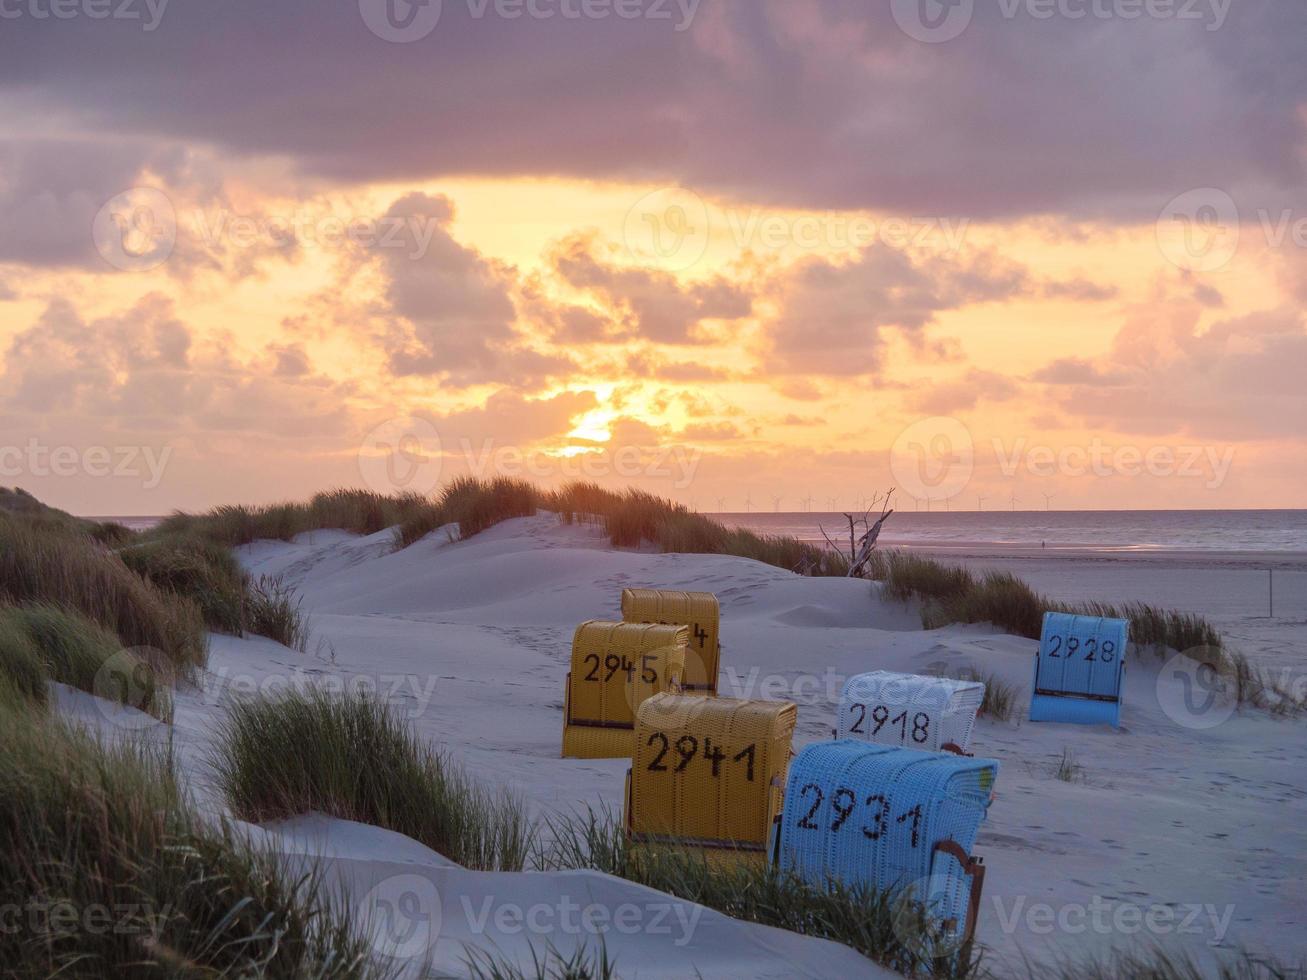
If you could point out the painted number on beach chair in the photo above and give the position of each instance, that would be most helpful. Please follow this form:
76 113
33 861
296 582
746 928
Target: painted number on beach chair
687 746
843 804
870 720
1106 654
612 663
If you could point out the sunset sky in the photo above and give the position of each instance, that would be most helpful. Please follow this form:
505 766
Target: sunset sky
749 250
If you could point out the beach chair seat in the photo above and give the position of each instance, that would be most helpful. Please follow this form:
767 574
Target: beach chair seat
909 710
709 773
697 610
615 668
899 820
1079 670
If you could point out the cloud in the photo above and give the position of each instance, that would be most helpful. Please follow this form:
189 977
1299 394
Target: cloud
832 318
649 303
1240 379
453 307
961 394
1079 290
826 104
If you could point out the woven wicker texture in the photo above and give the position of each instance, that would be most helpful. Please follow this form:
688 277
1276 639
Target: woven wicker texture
709 771
872 814
697 610
1078 670
909 710
615 667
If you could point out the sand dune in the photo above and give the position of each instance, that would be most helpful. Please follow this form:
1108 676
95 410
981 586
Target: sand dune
471 639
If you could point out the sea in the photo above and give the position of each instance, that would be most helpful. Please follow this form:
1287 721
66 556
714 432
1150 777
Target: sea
1106 530
1116 530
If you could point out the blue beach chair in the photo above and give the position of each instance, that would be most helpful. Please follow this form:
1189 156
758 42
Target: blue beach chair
1079 670
899 820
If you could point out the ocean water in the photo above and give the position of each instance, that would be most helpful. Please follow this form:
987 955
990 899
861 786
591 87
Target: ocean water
1142 530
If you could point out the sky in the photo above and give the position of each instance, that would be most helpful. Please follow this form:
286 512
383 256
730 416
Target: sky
746 254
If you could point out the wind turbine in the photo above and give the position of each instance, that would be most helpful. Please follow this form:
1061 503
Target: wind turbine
980 503
1014 501
807 503
748 503
777 502
1048 500
833 503
721 505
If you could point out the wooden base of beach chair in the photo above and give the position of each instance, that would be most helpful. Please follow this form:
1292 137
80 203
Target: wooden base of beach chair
973 868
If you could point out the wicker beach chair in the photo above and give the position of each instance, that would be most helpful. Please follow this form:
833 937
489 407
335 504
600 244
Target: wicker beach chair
709 773
911 711
1079 670
697 610
899 820
615 668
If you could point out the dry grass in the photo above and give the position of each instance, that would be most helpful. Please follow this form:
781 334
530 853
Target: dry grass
44 565
353 757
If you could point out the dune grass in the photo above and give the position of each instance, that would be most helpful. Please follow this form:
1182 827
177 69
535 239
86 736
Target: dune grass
196 567
632 519
111 872
953 594
78 573
272 609
546 964
896 934
66 647
353 757
357 511
1162 964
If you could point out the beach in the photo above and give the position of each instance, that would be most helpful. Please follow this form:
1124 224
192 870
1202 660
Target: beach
1196 829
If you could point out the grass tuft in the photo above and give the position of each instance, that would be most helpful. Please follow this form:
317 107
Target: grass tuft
272 609
40 566
353 757
150 888
895 934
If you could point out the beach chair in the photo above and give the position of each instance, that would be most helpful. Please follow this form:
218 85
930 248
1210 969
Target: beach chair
911 711
615 667
697 610
899 820
1079 669
709 773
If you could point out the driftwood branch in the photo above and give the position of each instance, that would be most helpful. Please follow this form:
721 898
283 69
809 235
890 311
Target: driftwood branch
861 548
